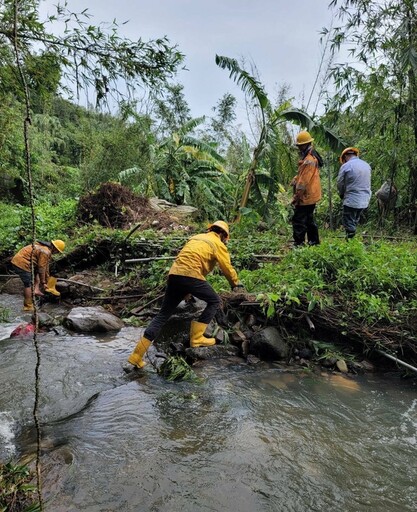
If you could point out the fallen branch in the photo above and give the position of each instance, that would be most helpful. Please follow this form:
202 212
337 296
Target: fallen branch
116 297
138 310
81 284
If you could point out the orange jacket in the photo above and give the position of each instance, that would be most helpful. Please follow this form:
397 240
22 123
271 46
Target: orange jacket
199 256
41 255
307 182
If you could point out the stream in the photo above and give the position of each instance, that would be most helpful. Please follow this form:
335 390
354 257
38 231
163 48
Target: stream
245 438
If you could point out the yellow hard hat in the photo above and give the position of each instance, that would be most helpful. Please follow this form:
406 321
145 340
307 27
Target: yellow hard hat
348 151
59 245
303 138
222 225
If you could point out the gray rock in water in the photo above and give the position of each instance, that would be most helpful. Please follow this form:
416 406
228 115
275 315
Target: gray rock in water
45 320
269 345
92 319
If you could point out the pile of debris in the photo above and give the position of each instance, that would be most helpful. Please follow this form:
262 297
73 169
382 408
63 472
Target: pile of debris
114 206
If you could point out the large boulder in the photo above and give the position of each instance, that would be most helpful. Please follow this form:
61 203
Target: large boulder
92 319
269 345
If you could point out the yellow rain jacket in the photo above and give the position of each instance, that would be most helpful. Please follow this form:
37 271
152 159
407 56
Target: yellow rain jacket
307 182
199 256
41 255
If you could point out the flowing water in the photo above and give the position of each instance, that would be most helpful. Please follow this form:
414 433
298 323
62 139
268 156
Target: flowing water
244 439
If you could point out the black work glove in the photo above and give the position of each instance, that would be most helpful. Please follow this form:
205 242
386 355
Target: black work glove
239 288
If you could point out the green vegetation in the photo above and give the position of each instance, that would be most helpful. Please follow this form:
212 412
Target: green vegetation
52 221
17 494
209 163
176 368
372 282
4 314
362 290
206 162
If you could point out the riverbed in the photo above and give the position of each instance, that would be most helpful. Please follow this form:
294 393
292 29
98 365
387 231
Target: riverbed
244 438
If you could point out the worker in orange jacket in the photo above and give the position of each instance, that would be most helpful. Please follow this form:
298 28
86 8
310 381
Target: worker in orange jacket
188 276
40 253
307 191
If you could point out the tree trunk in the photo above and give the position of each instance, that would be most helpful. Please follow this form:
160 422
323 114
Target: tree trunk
411 15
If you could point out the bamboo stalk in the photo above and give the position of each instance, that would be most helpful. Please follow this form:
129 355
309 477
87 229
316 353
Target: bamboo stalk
81 284
138 260
393 358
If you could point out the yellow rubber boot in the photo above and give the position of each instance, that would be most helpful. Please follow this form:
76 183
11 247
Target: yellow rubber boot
136 357
28 305
197 339
50 286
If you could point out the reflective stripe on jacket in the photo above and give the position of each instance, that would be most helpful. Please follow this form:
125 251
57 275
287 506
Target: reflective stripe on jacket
307 182
41 257
199 256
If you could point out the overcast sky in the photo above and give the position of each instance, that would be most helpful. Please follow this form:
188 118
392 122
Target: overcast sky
279 36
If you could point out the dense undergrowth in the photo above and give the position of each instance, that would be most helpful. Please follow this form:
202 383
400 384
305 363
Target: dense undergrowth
371 282
374 280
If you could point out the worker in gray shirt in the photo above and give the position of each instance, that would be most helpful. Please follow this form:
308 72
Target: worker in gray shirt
354 187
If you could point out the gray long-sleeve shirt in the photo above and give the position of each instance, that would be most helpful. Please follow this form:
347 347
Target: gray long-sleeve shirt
354 183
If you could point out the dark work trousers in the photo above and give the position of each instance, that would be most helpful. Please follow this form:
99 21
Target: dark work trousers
303 223
177 288
350 220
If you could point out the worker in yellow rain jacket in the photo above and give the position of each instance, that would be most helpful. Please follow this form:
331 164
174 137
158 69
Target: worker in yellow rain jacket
307 191
188 276
41 254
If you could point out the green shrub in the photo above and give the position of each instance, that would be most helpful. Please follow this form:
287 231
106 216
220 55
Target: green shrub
17 494
51 222
372 282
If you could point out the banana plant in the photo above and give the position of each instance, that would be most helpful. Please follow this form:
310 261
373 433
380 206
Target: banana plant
270 138
184 170
323 135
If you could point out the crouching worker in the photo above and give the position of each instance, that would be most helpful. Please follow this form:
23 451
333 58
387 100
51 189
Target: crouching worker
40 254
188 276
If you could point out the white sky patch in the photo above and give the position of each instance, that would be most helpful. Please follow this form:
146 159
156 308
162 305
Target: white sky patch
281 38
